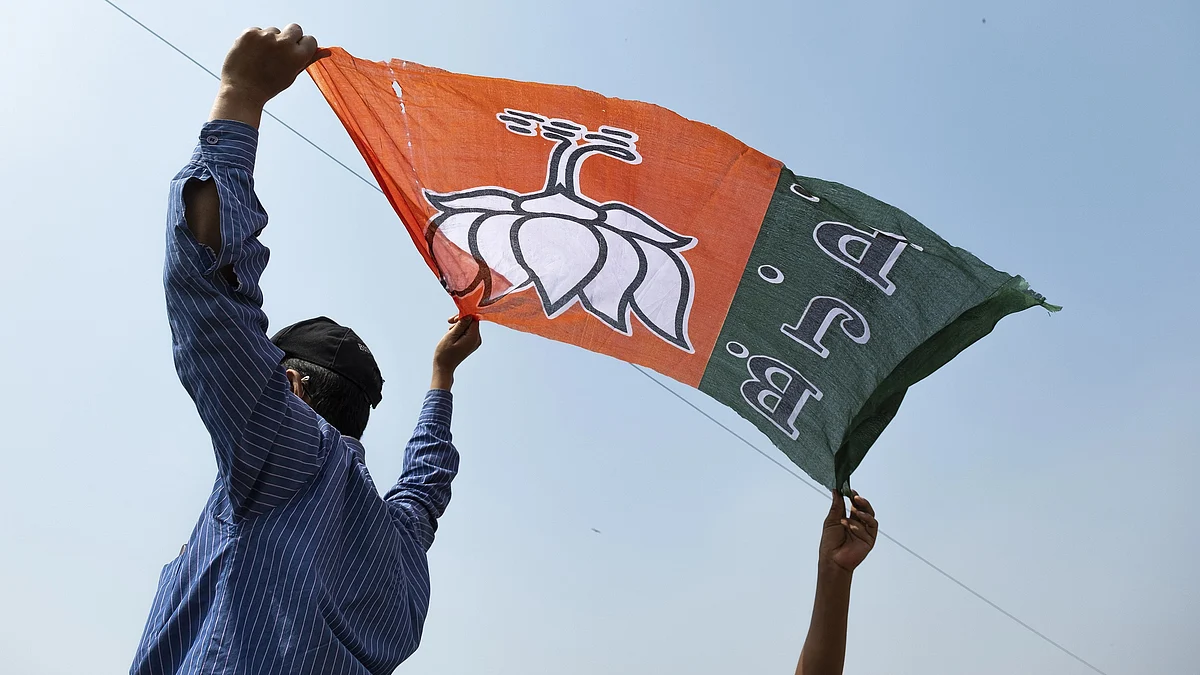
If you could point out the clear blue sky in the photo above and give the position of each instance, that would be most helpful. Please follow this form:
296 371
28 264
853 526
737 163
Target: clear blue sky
1050 466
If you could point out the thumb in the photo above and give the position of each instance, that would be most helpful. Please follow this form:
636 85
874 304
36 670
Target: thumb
473 330
461 326
837 510
321 53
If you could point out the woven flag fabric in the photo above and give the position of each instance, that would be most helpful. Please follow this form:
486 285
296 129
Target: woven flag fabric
621 227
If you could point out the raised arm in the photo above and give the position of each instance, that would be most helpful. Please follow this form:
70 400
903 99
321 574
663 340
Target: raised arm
845 542
430 461
266 439
261 64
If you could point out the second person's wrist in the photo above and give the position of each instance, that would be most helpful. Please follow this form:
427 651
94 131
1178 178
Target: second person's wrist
831 572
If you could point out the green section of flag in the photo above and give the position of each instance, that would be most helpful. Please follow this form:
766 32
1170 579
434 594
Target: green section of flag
895 302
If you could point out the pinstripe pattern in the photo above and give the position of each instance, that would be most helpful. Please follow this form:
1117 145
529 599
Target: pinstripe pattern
296 564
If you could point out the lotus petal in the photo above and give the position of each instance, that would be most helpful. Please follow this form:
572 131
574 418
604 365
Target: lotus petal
626 219
492 241
458 270
607 294
560 255
456 227
449 238
662 299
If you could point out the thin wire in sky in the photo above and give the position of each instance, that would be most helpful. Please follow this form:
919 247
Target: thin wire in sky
643 371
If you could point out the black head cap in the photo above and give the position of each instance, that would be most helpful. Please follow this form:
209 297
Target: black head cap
323 342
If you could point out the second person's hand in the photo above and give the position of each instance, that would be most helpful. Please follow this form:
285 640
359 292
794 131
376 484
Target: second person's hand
845 542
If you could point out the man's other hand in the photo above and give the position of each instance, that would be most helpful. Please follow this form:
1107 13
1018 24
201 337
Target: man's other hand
845 542
455 346
261 63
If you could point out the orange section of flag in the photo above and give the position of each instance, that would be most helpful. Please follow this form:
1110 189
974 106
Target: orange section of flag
532 179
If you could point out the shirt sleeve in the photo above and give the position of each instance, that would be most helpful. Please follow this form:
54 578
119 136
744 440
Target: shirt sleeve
267 441
420 497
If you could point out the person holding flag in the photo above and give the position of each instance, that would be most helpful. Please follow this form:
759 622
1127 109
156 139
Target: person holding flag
296 565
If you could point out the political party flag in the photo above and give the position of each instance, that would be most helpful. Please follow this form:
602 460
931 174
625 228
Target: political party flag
621 227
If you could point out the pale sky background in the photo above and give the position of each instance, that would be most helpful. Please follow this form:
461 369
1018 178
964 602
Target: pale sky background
1050 466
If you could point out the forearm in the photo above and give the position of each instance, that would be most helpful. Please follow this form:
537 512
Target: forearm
203 203
213 222
824 650
421 494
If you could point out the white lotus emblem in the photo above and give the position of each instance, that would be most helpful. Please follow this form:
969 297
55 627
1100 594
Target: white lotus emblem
611 258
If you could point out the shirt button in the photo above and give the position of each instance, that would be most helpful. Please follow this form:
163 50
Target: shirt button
211 140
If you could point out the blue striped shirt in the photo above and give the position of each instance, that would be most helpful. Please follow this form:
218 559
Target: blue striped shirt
296 564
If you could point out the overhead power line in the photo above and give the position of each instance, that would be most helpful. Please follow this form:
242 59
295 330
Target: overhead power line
655 380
